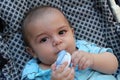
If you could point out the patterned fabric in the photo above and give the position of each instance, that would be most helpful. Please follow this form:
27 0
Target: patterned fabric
92 20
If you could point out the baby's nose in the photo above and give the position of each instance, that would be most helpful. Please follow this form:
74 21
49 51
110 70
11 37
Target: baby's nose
57 40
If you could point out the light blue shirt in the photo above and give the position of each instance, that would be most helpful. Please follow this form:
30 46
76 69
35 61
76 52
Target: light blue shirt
118 77
32 70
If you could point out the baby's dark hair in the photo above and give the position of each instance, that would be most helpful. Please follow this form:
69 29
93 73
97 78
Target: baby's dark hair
32 15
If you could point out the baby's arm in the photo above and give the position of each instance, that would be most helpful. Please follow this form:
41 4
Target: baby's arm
104 62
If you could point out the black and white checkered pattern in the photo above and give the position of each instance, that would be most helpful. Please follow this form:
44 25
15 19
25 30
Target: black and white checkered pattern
92 20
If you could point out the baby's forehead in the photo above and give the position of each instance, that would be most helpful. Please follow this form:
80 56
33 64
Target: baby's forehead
41 13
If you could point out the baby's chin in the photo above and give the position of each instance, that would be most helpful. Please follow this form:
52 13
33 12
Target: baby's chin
52 62
45 66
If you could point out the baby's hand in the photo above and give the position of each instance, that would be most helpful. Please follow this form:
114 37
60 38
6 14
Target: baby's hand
82 59
62 72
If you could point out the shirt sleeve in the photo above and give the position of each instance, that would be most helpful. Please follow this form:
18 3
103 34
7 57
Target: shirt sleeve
91 47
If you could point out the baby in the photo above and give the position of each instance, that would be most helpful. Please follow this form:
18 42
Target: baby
46 32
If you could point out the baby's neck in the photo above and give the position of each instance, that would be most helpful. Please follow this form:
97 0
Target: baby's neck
44 66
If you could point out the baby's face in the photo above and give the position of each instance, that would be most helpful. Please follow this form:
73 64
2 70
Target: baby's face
49 35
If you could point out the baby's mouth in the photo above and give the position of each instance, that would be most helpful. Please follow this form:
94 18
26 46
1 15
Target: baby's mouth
58 52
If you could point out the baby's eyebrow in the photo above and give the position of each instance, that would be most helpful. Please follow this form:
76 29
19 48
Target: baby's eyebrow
63 26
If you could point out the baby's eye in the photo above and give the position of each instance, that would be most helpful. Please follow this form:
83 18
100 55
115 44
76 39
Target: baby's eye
62 32
43 40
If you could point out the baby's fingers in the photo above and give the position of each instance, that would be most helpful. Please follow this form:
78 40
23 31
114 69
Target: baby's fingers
61 67
53 67
70 75
85 65
76 58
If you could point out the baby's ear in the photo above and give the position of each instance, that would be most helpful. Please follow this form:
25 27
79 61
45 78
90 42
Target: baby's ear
72 30
30 51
